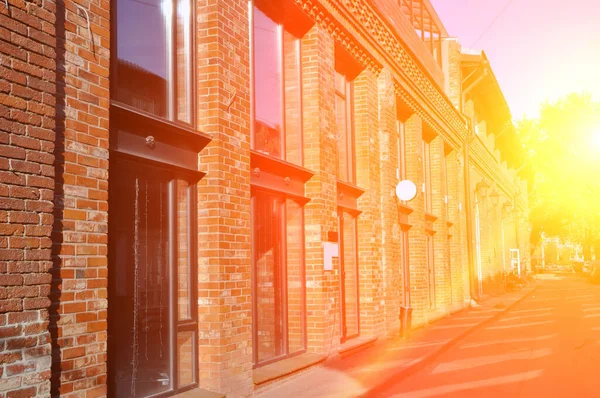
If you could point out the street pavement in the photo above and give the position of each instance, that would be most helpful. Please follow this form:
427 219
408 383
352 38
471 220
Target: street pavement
547 345
369 372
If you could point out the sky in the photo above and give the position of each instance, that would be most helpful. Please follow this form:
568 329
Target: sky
539 50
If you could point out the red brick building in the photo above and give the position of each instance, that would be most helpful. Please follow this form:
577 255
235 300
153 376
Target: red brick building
201 195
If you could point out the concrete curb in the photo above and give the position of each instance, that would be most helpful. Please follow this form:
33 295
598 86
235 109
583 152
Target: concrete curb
418 364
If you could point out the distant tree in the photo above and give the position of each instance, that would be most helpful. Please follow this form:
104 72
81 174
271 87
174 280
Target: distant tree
562 147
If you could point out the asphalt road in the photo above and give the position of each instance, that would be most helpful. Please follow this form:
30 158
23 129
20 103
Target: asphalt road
546 346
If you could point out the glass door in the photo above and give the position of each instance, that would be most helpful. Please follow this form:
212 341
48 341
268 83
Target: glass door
151 325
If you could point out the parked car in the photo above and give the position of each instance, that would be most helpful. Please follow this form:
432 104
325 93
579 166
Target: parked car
594 275
586 268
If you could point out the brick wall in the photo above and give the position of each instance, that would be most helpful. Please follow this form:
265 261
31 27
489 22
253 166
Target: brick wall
391 266
369 222
224 266
322 287
417 241
79 287
440 239
27 99
451 62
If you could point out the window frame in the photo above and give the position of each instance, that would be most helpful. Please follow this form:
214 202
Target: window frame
401 150
176 326
282 277
427 176
348 97
281 31
430 261
342 259
405 264
174 76
445 189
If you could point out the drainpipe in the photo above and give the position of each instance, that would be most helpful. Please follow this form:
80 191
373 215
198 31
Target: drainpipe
473 281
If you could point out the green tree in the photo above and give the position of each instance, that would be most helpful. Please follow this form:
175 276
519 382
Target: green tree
562 149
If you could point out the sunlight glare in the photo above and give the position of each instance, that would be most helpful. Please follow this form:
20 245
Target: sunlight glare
596 138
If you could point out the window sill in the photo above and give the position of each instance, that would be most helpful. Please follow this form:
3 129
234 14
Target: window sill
348 195
429 220
403 212
144 136
285 367
357 344
278 175
199 393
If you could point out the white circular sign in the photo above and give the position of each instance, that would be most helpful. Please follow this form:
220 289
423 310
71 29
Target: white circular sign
406 190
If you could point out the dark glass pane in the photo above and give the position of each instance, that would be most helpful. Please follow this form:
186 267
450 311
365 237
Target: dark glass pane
295 275
340 83
139 284
350 275
342 138
183 256
143 43
430 271
267 85
184 61
405 267
268 262
185 358
401 150
293 109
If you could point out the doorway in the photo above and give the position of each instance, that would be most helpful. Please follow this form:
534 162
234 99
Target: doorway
152 288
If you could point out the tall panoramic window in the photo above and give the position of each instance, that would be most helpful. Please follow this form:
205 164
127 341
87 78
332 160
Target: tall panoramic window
154 58
152 284
350 278
279 316
277 84
152 294
400 150
429 259
278 268
427 175
445 188
344 121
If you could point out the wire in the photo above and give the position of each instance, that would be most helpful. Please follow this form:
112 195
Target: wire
492 23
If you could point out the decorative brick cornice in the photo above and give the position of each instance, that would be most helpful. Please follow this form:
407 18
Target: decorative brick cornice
369 19
454 140
329 22
489 167
333 15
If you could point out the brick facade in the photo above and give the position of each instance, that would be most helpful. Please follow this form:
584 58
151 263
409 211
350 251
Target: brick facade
28 119
59 139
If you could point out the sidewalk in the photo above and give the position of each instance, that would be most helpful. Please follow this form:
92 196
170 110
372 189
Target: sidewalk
392 359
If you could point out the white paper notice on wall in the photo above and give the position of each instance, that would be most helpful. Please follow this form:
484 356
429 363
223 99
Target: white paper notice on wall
330 250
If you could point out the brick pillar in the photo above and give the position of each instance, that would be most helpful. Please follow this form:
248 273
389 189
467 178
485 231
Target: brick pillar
440 239
320 214
457 265
369 222
79 288
451 64
224 264
27 98
413 130
497 247
391 266
463 255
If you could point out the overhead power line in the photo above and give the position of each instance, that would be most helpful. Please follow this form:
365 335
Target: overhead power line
492 23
